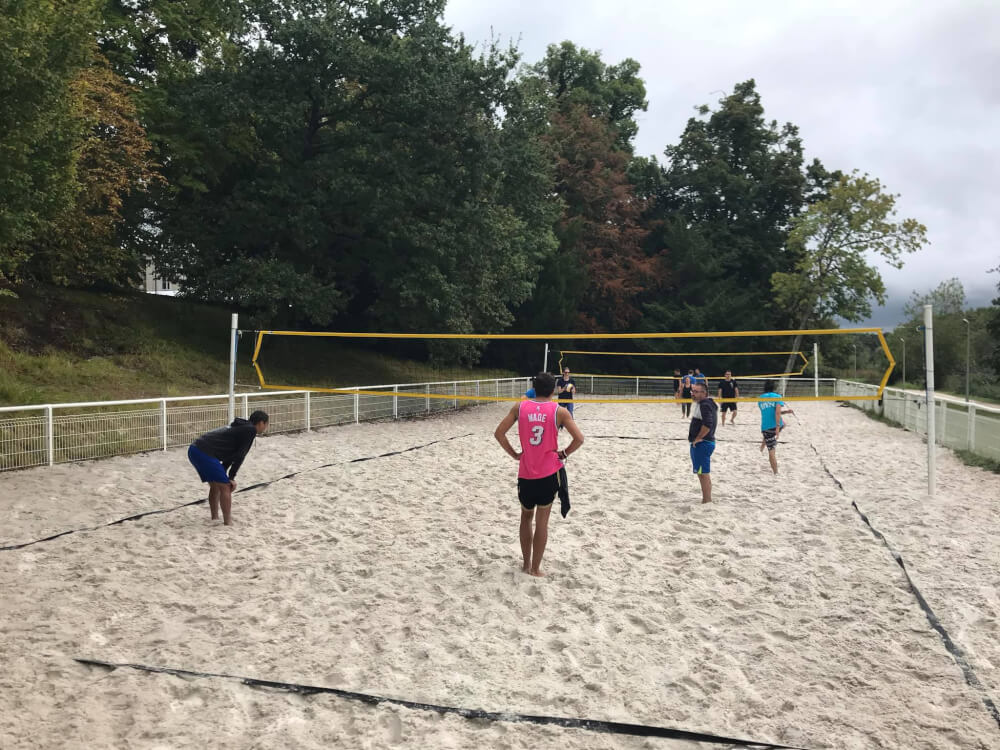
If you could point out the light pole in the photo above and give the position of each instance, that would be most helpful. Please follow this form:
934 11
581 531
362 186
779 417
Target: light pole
968 340
923 337
855 361
904 361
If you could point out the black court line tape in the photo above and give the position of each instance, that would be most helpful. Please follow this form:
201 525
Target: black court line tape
971 678
249 488
592 725
672 439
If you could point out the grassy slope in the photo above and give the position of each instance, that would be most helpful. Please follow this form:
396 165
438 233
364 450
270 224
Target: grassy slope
60 345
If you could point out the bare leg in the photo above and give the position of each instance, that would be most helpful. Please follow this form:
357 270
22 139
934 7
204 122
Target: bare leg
541 537
226 501
213 499
772 456
526 536
706 487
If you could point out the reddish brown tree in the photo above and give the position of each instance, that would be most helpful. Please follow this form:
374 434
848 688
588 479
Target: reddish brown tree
600 234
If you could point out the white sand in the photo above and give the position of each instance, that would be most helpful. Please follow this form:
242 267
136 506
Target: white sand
771 614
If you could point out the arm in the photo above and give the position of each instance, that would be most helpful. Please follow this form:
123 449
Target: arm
701 434
247 437
565 419
500 433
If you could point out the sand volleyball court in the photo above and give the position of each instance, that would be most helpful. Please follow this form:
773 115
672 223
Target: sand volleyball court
773 614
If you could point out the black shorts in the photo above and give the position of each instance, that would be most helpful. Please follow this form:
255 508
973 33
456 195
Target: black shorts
729 406
537 493
770 438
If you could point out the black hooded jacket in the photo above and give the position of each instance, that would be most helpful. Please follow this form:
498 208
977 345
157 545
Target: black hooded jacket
229 444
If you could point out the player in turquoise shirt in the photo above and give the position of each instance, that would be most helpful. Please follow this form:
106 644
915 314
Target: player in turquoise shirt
770 421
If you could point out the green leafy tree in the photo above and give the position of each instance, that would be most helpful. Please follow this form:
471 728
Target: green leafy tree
84 245
948 298
994 328
577 77
723 207
352 169
43 46
833 241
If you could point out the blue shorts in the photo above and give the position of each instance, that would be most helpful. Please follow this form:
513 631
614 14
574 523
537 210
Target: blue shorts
568 403
701 457
209 468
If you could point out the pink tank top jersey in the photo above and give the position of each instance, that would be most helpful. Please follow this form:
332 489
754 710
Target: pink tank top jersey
539 433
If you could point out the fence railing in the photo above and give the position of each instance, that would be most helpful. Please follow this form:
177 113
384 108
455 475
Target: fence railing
60 433
957 424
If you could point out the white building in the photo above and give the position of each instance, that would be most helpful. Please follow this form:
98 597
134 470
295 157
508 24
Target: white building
155 284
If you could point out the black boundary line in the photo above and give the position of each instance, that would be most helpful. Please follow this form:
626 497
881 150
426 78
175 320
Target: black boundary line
593 725
244 489
672 439
953 648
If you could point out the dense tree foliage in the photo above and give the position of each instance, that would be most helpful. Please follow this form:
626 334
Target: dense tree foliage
356 164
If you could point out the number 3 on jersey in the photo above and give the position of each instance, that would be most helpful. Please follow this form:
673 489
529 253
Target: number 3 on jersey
536 434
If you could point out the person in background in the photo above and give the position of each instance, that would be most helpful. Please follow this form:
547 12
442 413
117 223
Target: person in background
729 389
685 392
701 435
771 422
566 387
222 450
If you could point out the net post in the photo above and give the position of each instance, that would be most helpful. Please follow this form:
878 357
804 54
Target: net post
357 405
816 369
395 402
232 366
545 362
637 387
308 413
49 436
455 401
929 395
163 422
427 398
971 416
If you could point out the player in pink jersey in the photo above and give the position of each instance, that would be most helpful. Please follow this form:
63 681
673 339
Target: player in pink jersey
540 471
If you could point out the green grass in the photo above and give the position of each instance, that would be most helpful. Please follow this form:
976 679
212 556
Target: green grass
59 345
974 459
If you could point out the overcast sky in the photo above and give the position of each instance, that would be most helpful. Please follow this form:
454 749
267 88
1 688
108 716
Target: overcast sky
906 91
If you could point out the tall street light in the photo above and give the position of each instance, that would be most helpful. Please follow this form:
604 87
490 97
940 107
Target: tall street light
904 361
968 339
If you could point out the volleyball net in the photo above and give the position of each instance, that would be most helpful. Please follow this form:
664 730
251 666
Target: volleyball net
606 368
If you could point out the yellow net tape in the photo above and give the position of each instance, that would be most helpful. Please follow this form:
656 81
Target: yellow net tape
790 374
580 337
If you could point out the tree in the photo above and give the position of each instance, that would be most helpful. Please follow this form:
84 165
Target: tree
351 169
84 246
723 208
994 327
832 242
43 46
948 298
577 77
602 269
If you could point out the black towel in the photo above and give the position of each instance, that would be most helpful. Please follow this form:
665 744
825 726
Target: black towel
563 492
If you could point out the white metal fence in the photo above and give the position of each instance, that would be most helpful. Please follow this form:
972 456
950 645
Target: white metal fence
957 424
60 433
